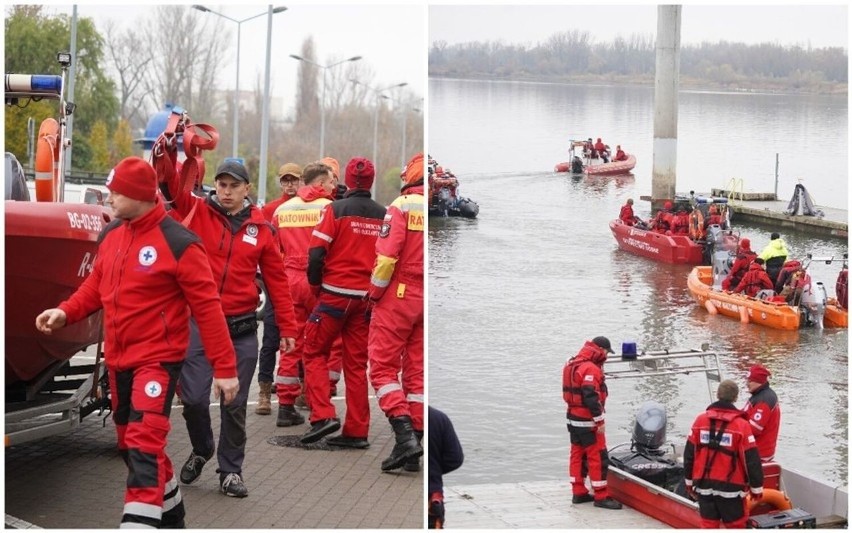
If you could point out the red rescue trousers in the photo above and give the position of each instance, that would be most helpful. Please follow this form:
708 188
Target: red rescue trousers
588 457
141 403
396 344
335 316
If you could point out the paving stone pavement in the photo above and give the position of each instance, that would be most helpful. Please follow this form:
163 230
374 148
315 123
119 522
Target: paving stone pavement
77 480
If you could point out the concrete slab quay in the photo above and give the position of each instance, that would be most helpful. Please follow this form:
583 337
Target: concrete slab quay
76 480
533 505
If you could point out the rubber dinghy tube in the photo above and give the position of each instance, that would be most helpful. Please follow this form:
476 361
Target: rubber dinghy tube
711 307
743 314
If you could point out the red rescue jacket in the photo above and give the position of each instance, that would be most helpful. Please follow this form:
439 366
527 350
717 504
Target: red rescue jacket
268 210
148 275
236 246
764 415
727 468
626 214
342 249
296 219
738 269
584 388
755 280
399 248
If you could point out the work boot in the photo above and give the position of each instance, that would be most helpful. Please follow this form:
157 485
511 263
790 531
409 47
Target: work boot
232 485
320 429
413 463
406 446
607 503
287 416
264 399
582 498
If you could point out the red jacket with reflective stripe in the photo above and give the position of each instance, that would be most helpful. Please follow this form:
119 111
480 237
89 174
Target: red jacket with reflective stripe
236 246
399 248
148 275
583 385
295 220
268 210
734 465
343 245
764 415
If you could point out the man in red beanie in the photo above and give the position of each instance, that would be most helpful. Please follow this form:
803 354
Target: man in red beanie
238 241
159 272
744 258
763 411
335 357
584 390
396 326
340 260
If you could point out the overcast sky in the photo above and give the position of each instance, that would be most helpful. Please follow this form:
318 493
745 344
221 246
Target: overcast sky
820 26
390 38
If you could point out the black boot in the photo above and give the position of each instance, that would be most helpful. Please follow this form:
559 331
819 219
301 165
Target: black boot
413 463
406 446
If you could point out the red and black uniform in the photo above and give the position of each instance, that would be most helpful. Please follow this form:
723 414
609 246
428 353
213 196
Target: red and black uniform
720 461
738 269
755 280
396 326
584 390
626 214
340 260
149 274
296 220
764 415
237 245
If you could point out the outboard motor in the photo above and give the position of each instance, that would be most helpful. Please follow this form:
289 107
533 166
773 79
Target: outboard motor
647 458
468 208
814 299
720 254
444 200
577 165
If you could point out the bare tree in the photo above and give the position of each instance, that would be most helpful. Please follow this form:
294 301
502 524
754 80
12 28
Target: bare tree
307 101
130 57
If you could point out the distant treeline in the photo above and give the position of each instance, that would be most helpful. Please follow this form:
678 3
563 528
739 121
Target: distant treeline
573 56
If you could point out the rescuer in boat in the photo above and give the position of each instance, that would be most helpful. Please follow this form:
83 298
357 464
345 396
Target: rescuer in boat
602 151
619 154
341 254
774 255
445 456
160 272
763 412
626 214
714 217
238 241
755 280
290 179
295 220
721 461
680 223
584 390
744 258
396 325
662 222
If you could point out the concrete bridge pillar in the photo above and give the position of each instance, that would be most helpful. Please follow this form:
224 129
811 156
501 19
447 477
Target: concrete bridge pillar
666 83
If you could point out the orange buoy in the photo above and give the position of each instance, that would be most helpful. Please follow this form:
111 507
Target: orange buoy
775 500
743 314
47 161
711 307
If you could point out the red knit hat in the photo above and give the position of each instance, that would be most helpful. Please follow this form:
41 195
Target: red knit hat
745 244
759 374
134 178
360 173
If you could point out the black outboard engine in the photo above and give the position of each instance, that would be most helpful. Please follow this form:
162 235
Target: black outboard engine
577 165
721 254
647 457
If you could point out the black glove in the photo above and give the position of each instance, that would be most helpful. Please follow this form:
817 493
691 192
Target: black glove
436 514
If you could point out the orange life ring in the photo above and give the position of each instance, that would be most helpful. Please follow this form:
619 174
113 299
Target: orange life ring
47 161
771 498
696 225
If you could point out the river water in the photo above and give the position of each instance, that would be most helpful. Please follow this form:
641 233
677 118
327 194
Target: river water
517 291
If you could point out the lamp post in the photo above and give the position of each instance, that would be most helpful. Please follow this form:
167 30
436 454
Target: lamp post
322 100
239 23
405 109
378 92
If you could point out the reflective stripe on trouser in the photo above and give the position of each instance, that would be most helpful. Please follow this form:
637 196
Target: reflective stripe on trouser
592 460
141 404
195 385
396 344
336 316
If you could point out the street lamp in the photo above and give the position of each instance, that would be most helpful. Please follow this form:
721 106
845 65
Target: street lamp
239 23
322 101
405 109
378 92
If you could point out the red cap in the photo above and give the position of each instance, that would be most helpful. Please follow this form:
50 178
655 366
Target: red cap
360 173
759 374
745 244
134 178
667 206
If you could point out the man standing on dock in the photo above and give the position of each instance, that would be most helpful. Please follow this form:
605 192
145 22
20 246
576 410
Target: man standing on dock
721 461
584 390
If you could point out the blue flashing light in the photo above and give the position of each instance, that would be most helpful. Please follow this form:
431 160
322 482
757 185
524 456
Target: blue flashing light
46 83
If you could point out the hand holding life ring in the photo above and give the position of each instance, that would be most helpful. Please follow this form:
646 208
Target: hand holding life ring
772 500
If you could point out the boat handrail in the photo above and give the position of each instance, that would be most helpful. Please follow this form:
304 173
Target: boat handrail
665 363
